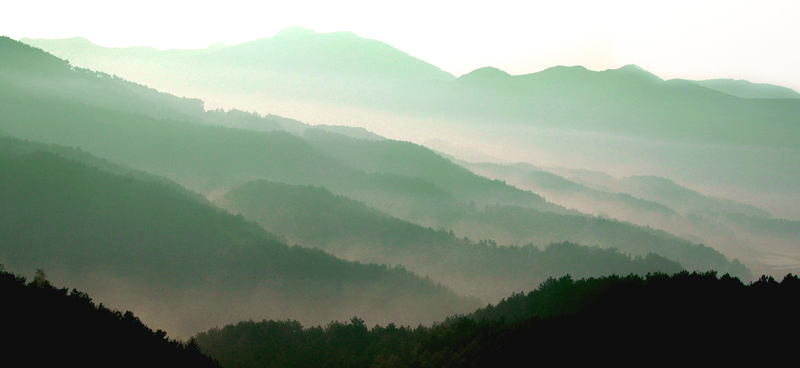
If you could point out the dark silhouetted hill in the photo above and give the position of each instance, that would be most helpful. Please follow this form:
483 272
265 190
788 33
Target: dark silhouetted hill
614 319
62 324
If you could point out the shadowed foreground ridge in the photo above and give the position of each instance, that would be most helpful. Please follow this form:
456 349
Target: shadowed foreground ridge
684 317
66 325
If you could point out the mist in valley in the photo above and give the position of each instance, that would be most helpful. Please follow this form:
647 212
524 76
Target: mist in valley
301 188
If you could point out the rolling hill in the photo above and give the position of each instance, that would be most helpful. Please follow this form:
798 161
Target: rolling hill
315 217
623 121
180 263
401 179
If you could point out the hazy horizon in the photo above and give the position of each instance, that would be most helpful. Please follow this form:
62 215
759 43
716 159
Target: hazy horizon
324 178
734 40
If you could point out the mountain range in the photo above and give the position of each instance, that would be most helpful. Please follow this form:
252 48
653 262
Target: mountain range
108 183
625 121
142 243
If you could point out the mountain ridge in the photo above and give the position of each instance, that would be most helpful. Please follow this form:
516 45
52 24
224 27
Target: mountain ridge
146 245
212 160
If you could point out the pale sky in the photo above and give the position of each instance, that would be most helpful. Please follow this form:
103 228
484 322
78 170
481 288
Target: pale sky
754 40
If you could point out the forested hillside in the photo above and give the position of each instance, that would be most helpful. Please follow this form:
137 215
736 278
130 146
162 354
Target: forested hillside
57 324
415 185
181 263
738 230
484 185
314 217
614 319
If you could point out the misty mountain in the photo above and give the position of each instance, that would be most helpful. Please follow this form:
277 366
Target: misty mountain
685 200
414 184
113 191
738 230
314 217
295 62
651 188
628 100
626 120
568 193
209 159
412 160
746 89
181 263
192 152
510 216
352 132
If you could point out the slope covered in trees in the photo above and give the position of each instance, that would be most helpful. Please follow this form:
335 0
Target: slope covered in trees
314 217
762 242
57 324
629 320
412 160
626 119
181 263
420 187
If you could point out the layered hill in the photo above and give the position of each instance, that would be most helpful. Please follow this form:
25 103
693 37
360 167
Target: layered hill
628 100
181 263
401 179
298 63
294 63
743 231
729 135
312 216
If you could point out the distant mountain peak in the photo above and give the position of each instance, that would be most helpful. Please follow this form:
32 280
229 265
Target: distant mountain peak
488 70
634 70
566 67
560 71
485 74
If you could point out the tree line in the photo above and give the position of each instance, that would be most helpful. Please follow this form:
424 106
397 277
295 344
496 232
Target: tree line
47 326
697 317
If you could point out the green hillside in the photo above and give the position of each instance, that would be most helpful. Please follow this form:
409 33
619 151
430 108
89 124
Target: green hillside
314 217
412 160
182 264
401 179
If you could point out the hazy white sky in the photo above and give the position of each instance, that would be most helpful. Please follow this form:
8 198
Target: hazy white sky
754 40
